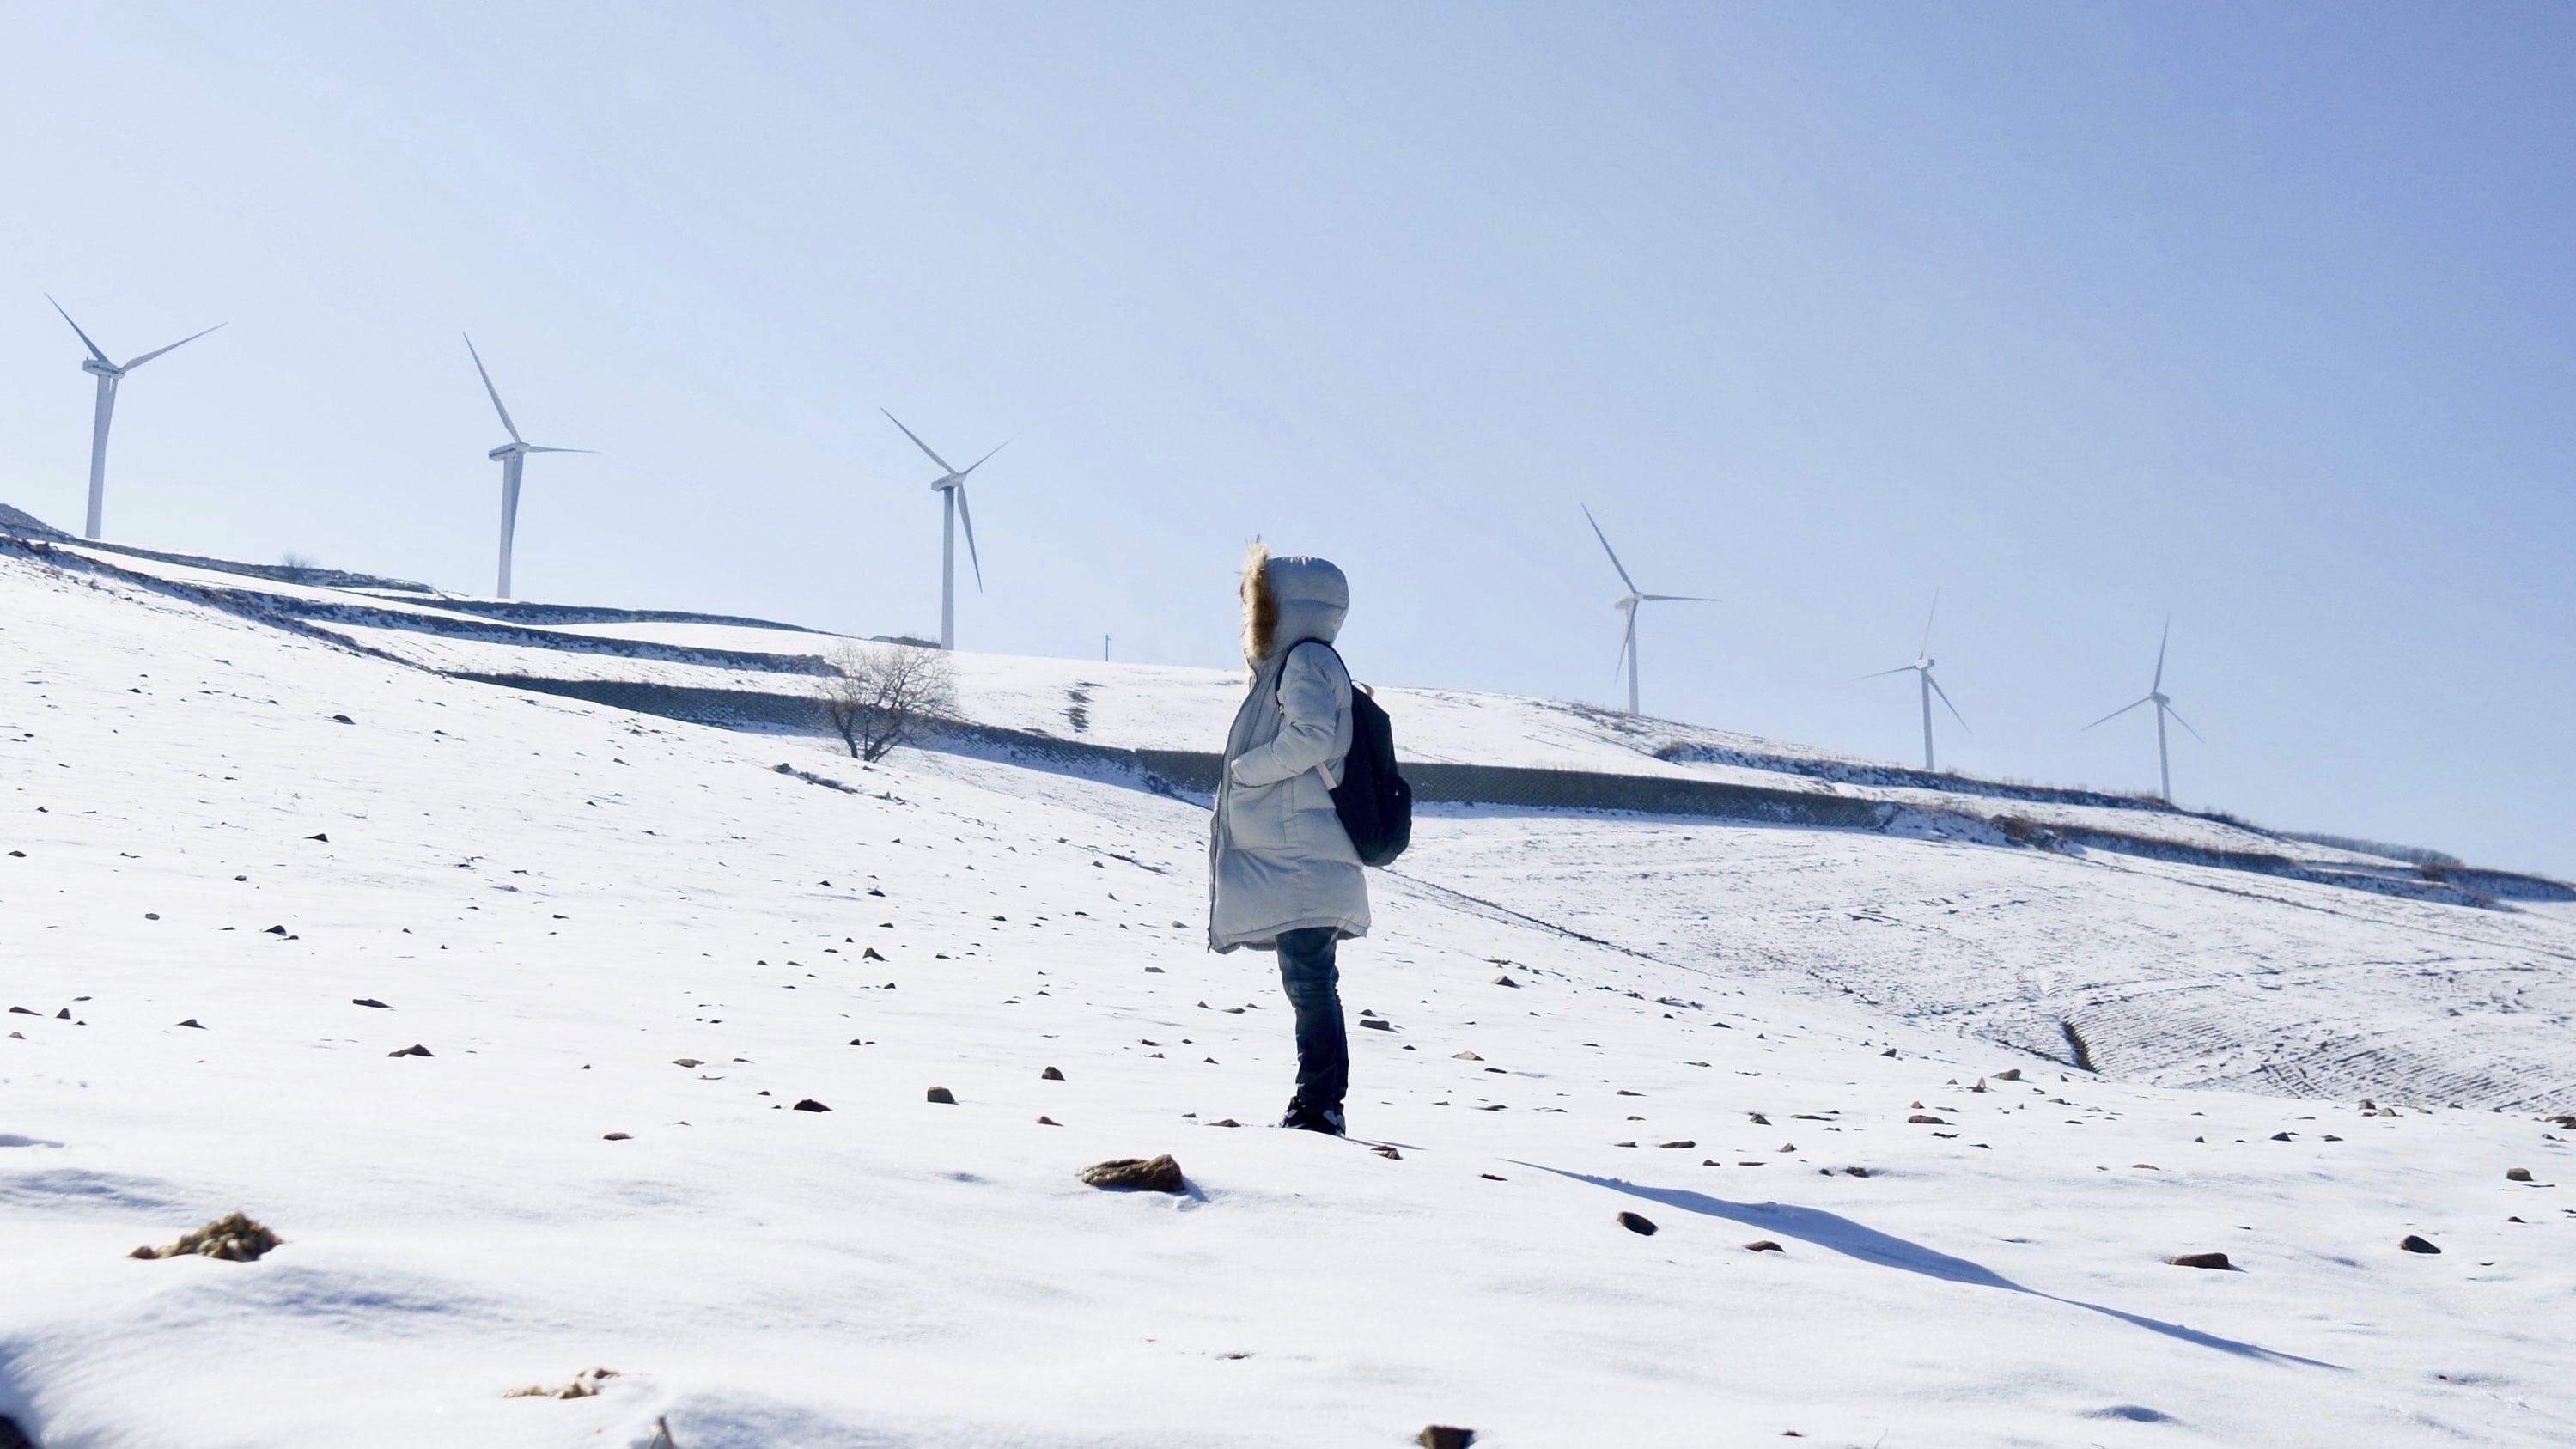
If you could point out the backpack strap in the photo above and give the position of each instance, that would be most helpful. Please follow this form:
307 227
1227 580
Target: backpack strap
1323 644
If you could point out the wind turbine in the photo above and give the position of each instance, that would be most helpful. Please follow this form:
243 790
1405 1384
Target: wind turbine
109 374
512 455
1922 667
1627 604
2164 706
952 485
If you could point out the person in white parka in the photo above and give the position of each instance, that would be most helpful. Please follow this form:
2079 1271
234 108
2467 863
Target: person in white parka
1282 875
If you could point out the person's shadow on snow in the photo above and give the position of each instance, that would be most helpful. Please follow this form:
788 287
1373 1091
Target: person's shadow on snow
1842 1235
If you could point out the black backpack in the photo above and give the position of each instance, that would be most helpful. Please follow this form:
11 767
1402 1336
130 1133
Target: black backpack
1375 804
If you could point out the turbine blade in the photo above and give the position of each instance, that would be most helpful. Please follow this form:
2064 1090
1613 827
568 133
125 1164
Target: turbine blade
173 347
1945 700
84 337
2161 642
533 448
1927 624
918 443
987 458
966 516
2115 714
1882 674
486 375
1606 548
1678 599
1627 643
2186 724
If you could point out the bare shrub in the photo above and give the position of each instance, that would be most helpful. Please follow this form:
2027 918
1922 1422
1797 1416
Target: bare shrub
883 695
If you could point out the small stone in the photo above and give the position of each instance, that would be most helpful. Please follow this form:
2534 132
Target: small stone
1444 1436
2008 1074
1855 1172
277 930
201 1026
2517 1174
2217 1261
808 1104
943 1096
1049 1122
1505 981
1643 1227
2414 1244
1050 1075
1678 1142
1225 1122
414 1050
1759 1120
1377 1023
1465 1057
1926 1119
1891 1051
369 1001
2281 1136
686 1062
870 954
1763 1245
342 719
613 1137
1389 1153
1137 1174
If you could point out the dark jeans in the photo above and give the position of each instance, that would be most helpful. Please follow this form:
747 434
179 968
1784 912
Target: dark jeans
1323 1052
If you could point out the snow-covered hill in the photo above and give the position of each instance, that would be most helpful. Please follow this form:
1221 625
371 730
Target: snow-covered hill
631 947
1153 707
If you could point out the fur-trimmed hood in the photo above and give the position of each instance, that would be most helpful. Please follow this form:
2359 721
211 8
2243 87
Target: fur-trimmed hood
1288 601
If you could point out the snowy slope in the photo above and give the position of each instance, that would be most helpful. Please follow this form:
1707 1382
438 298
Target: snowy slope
1176 708
562 902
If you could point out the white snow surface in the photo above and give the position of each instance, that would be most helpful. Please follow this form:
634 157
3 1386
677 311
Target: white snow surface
565 902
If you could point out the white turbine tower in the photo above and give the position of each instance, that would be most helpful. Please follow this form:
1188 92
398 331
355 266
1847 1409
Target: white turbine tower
109 374
2164 707
1627 604
512 456
1922 667
951 484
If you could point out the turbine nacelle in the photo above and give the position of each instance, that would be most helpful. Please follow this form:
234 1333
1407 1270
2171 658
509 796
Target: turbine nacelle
96 368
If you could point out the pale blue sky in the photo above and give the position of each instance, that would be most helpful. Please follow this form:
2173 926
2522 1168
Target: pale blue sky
2078 313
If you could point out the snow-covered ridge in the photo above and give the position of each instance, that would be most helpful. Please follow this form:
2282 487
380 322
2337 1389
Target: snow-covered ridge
685 662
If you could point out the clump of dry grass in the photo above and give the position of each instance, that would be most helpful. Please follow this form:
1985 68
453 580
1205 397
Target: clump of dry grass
234 1237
